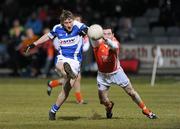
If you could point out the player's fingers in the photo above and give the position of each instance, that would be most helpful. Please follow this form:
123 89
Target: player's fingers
27 50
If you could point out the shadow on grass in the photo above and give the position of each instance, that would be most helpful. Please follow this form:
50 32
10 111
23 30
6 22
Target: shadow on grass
97 116
74 118
74 102
71 101
71 118
94 116
113 118
104 118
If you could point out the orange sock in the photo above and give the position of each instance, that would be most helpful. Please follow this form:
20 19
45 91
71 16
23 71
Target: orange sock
78 96
144 108
54 83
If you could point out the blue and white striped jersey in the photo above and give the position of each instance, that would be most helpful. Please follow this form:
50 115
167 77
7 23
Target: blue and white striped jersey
70 44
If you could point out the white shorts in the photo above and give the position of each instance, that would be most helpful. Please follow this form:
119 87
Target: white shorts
104 80
75 65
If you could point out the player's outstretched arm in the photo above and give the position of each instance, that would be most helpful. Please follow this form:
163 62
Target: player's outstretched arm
41 40
112 44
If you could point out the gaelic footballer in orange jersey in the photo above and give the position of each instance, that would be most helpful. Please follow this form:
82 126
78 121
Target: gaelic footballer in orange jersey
106 51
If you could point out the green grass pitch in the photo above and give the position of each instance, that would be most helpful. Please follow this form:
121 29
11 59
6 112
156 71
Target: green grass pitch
24 104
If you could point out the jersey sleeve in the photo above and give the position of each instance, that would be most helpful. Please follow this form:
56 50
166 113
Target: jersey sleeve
52 34
79 24
118 45
82 28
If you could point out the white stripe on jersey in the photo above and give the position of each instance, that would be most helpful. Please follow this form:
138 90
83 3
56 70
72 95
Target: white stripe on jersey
54 28
58 25
50 35
78 48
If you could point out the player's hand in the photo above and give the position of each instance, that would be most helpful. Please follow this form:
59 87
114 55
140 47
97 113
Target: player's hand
29 47
83 32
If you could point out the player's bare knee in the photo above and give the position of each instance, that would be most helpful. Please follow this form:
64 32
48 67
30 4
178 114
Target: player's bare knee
102 101
129 91
60 68
108 104
78 77
105 102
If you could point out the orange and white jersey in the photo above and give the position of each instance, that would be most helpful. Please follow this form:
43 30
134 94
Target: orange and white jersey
106 58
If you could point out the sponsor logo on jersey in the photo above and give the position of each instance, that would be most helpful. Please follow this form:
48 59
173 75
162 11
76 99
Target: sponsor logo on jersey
67 41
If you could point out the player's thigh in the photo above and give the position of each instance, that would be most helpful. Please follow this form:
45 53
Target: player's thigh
102 82
59 65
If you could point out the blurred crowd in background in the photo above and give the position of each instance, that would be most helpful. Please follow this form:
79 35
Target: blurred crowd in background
133 21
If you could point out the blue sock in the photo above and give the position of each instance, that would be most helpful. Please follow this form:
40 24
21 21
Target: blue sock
54 108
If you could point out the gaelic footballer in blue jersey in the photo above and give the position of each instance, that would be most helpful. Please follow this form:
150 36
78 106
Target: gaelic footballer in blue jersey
70 35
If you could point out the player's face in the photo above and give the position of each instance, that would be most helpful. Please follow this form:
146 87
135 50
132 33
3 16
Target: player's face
78 18
108 33
68 24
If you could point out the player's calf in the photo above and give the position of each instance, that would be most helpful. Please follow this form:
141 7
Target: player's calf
109 106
